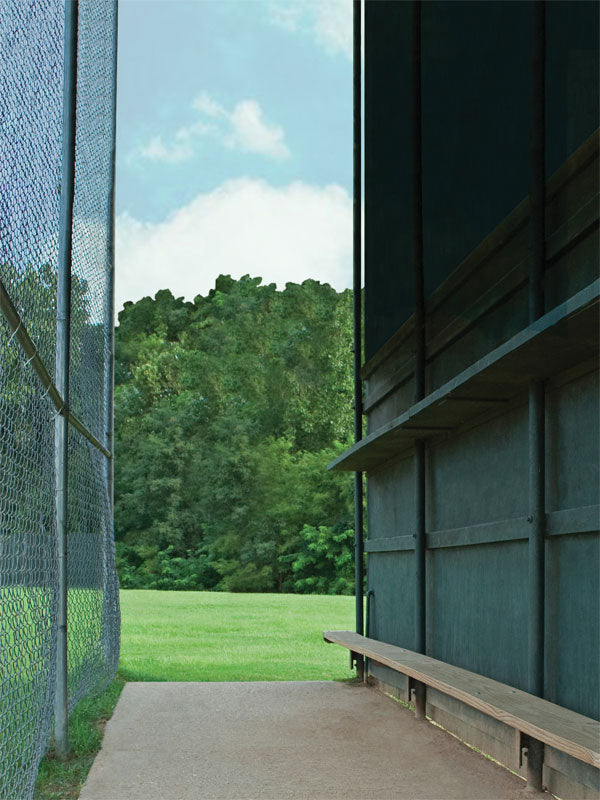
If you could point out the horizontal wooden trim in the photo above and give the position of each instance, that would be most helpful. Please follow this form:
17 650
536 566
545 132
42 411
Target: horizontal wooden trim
566 522
401 375
385 351
563 239
581 224
393 544
567 771
585 519
547 722
562 338
506 530
578 161
558 523
497 239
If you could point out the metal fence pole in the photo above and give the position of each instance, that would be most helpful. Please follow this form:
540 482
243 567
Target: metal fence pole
63 334
110 322
537 472
110 289
357 309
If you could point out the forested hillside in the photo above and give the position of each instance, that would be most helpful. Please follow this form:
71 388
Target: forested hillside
227 411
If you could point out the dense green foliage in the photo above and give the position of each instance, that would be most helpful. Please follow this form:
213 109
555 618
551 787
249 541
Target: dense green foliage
227 411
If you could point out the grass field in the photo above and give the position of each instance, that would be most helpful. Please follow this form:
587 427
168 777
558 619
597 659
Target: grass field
215 636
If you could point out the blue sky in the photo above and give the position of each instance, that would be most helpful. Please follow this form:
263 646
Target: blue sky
234 143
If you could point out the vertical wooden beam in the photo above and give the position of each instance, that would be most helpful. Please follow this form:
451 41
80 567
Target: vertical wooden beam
417 202
537 189
419 318
420 571
537 471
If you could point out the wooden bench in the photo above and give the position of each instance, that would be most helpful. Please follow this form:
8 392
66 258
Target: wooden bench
539 719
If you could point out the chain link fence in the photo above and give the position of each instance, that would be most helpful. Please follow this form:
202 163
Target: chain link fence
32 59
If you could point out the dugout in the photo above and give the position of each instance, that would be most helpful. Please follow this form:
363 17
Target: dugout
480 378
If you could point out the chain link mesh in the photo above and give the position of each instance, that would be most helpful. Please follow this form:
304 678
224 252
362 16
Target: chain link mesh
28 570
31 67
31 97
90 340
93 601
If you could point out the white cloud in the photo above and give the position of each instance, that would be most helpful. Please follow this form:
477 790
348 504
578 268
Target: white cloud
206 105
286 15
157 150
182 147
333 26
329 22
243 128
245 226
249 132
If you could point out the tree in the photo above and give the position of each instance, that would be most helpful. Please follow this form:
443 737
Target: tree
227 411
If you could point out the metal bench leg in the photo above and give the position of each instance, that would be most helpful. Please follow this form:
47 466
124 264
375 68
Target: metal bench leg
535 763
358 661
417 694
534 750
360 668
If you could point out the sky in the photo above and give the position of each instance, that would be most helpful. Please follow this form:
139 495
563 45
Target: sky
234 144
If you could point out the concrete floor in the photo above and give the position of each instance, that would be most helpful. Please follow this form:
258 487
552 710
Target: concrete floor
273 741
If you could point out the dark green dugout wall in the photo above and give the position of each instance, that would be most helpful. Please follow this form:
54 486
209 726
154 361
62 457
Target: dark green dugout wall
475 132
476 126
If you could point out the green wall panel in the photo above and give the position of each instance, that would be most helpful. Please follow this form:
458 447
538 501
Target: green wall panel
391 617
477 609
479 476
573 622
573 444
390 500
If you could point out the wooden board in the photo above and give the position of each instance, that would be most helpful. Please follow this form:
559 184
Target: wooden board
560 339
559 727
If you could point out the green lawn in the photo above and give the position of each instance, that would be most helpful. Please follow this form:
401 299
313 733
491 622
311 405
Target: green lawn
215 636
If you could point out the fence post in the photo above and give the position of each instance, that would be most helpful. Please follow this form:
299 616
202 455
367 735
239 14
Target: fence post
110 322
63 335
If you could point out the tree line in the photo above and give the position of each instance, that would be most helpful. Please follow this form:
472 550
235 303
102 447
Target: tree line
227 411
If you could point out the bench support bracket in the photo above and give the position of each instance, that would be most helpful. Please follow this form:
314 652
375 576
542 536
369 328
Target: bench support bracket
358 661
417 695
533 750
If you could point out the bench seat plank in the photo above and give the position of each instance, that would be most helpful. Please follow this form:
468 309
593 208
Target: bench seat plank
559 727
